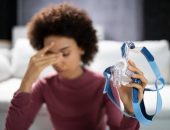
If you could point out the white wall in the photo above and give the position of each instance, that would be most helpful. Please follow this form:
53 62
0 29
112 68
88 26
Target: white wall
121 19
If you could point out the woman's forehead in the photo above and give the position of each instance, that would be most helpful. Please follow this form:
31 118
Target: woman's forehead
54 38
60 43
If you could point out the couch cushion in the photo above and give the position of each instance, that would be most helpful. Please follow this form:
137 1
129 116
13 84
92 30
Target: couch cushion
5 68
109 53
21 54
7 89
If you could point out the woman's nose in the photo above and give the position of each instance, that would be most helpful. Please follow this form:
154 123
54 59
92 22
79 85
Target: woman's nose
60 61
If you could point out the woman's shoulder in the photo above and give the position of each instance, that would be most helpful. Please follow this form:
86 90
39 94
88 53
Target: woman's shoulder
95 75
45 80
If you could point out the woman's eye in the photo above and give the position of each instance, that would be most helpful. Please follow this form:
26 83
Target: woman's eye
66 54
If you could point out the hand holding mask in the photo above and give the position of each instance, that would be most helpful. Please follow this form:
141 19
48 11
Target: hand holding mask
121 76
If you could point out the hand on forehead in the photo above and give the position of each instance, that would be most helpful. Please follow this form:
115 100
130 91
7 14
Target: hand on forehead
56 48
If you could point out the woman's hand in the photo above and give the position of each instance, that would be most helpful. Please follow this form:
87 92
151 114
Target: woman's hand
37 63
126 91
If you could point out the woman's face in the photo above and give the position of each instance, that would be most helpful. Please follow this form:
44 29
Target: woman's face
69 60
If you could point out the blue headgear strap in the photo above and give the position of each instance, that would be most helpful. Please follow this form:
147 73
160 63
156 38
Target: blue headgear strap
139 107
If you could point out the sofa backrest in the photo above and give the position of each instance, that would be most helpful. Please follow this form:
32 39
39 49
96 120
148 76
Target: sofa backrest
109 53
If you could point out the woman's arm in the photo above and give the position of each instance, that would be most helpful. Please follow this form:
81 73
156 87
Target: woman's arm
23 109
116 120
27 100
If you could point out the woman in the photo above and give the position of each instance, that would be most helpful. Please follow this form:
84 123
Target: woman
65 38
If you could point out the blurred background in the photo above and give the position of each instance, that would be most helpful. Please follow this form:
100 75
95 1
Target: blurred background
147 22
120 19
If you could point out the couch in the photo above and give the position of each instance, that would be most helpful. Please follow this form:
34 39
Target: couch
14 61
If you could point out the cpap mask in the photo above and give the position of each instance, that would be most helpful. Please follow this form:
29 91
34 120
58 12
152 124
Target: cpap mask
122 76
119 72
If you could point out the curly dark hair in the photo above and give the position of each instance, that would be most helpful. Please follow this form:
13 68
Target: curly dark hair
64 20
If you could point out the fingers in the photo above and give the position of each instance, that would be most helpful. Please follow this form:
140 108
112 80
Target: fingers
142 78
133 68
138 86
48 62
46 57
41 56
131 63
138 73
140 90
44 50
41 64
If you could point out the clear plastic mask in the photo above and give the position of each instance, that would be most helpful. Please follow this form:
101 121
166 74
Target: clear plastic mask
120 74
